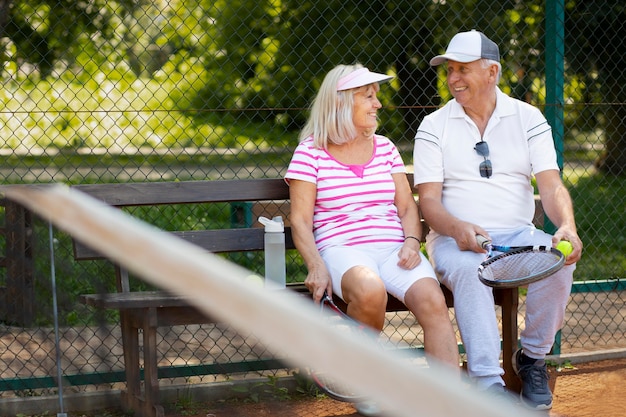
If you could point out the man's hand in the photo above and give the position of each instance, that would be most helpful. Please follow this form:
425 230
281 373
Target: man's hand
465 236
565 233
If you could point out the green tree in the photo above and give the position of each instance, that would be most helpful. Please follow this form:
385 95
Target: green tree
231 38
595 50
398 37
43 33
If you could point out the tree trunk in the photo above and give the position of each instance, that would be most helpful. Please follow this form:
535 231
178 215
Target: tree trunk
613 159
4 14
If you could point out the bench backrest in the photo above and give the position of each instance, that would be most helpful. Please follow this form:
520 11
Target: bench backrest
194 192
265 192
271 195
191 192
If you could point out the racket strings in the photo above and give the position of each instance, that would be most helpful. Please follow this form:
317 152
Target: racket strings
520 265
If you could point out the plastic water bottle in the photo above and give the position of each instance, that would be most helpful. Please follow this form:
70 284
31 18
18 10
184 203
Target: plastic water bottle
275 274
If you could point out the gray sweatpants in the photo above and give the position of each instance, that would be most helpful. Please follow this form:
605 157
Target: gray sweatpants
474 305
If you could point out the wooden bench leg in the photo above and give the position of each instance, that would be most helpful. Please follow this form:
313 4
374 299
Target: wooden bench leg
510 304
130 345
151 405
146 403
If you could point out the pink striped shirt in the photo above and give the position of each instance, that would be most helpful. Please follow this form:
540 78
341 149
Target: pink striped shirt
355 203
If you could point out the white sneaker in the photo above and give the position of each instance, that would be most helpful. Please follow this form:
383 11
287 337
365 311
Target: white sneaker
367 408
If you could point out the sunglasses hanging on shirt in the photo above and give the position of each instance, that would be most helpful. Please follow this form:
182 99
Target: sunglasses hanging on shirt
482 149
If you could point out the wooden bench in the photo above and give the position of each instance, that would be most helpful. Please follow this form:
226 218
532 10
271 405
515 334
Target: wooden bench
145 311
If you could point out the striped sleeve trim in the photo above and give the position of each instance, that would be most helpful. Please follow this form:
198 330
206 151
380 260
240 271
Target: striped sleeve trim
538 130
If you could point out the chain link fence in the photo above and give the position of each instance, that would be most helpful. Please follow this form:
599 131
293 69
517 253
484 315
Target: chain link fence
164 90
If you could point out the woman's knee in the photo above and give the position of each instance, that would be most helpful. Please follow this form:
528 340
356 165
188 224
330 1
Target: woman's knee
362 286
366 297
426 297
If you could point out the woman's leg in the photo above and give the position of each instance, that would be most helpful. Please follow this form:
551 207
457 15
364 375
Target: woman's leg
427 302
366 297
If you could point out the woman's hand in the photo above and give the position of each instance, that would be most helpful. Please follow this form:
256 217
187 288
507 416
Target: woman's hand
409 254
318 281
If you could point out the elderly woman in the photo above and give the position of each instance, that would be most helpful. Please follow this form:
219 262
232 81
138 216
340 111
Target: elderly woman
353 216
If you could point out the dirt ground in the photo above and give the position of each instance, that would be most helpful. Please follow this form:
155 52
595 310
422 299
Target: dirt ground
587 390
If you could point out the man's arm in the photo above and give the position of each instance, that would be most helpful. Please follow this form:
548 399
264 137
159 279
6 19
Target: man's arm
441 221
557 204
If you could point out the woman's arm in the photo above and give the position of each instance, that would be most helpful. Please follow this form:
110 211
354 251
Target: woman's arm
409 218
303 195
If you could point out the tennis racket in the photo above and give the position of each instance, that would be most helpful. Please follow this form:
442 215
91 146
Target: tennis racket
515 266
325 382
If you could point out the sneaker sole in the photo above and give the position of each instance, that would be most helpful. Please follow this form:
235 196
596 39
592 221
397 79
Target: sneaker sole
532 406
523 400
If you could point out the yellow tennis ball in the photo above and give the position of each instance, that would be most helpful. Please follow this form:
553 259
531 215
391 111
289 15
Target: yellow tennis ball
565 247
255 280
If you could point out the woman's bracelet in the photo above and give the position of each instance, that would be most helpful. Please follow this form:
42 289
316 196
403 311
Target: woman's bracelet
413 237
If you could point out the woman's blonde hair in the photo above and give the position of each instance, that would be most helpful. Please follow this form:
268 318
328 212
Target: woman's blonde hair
331 112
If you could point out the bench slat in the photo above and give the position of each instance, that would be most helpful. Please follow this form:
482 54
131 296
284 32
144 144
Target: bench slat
216 241
186 192
133 299
163 299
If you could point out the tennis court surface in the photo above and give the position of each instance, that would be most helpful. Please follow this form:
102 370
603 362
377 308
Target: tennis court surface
591 389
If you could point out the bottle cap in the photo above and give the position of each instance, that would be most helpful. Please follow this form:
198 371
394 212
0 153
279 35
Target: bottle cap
274 226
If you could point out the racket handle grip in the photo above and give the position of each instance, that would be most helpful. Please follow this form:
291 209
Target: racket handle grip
483 241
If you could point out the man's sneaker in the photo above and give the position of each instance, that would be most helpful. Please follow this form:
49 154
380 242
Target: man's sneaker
367 408
500 391
534 375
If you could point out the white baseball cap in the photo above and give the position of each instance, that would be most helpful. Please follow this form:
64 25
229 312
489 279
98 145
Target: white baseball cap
467 47
359 78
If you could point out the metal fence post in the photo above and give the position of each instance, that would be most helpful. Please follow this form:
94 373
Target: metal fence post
241 214
555 53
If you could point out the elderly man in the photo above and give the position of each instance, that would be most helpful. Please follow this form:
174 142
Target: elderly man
474 159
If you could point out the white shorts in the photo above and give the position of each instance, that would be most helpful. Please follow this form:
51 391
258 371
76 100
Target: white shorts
380 258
